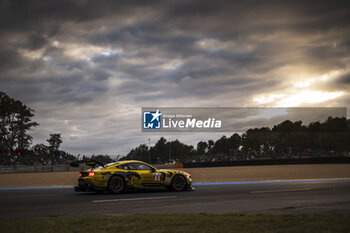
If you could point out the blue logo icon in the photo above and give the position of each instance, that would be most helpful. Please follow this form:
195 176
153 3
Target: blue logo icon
151 119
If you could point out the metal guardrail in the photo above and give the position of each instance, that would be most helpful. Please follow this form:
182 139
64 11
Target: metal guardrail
56 168
66 168
39 168
268 162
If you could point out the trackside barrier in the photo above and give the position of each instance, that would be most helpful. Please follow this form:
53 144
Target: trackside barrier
178 165
39 168
268 162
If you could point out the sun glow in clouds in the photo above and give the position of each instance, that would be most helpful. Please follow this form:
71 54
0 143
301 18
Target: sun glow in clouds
308 97
303 84
297 98
303 91
307 81
268 99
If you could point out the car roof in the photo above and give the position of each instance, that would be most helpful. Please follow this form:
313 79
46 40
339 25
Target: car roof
125 162
129 161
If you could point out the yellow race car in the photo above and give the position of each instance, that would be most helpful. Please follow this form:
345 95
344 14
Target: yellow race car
120 176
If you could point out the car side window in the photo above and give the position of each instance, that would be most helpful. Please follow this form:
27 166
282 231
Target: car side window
126 167
141 166
132 166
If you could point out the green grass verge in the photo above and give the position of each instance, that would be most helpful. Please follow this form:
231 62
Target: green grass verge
180 223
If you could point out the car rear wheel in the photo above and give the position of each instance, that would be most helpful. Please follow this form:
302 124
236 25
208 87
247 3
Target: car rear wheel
178 183
116 184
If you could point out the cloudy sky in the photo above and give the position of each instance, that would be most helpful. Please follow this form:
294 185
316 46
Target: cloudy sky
87 67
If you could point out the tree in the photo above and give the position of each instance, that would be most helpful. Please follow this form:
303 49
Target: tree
180 151
333 135
40 148
202 147
288 135
15 121
160 150
234 142
221 146
54 141
210 146
256 140
139 153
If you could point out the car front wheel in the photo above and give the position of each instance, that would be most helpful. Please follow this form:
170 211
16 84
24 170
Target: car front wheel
178 183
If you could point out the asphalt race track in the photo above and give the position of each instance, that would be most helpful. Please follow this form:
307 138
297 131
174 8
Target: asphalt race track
250 198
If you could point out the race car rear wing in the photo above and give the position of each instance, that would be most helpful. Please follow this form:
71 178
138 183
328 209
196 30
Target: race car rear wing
89 162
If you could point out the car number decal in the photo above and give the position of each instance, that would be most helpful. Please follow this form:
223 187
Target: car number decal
157 176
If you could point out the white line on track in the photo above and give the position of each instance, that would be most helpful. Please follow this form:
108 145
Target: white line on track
134 199
280 190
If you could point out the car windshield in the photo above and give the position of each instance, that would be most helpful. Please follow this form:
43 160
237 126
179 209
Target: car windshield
110 164
141 166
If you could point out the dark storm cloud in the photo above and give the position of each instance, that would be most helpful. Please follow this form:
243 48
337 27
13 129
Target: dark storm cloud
9 58
341 82
344 79
87 67
37 41
24 13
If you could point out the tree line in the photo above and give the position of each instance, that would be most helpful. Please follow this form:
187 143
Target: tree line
287 139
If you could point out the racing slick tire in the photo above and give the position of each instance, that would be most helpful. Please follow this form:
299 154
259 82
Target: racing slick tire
178 183
116 184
